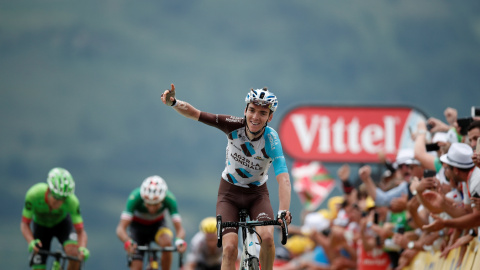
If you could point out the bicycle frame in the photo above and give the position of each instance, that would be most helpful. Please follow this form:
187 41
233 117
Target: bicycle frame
249 259
152 258
60 258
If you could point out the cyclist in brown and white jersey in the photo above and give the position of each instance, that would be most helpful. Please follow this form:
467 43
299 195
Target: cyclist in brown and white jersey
251 148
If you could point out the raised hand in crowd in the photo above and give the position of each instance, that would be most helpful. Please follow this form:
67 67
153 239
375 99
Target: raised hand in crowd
437 125
451 115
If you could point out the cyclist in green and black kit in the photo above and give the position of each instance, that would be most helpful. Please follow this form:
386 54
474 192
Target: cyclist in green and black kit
55 211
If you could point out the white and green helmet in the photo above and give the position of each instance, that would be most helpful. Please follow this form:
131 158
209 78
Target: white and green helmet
60 182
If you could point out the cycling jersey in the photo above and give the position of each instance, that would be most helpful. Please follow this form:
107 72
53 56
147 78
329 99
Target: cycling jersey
136 211
36 207
200 253
247 161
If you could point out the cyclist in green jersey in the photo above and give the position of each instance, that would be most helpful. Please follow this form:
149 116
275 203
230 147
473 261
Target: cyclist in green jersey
144 217
55 211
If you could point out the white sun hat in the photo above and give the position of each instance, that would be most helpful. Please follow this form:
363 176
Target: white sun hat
405 156
440 137
459 155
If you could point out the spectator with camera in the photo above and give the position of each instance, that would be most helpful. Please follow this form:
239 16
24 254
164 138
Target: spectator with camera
460 168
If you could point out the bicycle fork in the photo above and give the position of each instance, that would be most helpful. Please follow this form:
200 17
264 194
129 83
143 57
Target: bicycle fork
249 253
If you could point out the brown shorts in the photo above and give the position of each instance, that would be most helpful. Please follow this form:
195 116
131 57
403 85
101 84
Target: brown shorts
231 199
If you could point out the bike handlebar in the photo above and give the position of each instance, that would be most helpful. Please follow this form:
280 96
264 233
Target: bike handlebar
161 249
56 254
250 224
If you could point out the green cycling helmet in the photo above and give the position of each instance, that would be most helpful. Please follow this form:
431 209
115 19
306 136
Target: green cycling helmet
60 183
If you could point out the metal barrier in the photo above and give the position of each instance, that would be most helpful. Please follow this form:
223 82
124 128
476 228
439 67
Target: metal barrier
432 260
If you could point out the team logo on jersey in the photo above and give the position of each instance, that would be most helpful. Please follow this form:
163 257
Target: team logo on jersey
258 158
28 206
73 236
236 147
245 162
273 140
234 119
263 216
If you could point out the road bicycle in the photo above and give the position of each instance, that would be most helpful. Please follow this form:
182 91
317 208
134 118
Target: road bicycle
249 259
152 257
60 258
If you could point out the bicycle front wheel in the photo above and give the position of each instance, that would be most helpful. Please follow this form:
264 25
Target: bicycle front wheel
253 264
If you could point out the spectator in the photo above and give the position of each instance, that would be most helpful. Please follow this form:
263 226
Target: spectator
460 167
473 135
408 167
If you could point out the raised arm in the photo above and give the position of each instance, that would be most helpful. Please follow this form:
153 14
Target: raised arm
182 107
427 160
365 175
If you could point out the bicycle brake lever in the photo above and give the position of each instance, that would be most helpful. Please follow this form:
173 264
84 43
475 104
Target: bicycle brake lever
219 231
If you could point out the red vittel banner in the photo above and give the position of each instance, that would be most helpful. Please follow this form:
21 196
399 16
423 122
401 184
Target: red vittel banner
347 133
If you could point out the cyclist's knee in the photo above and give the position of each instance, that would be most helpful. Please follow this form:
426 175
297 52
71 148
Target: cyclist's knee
230 250
267 237
71 250
164 237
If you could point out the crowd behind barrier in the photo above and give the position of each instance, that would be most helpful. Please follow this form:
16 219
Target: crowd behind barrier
422 212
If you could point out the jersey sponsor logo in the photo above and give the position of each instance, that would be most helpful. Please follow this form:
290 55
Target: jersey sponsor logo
28 206
273 140
263 216
234 119
37 259
280 157
245 162
238 148
73 236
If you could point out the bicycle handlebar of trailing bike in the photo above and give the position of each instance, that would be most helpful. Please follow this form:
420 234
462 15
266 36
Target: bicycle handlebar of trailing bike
56 254
162 249
250 224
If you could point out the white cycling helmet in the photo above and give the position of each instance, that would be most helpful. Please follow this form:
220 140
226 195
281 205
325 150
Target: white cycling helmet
262 97
153 189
